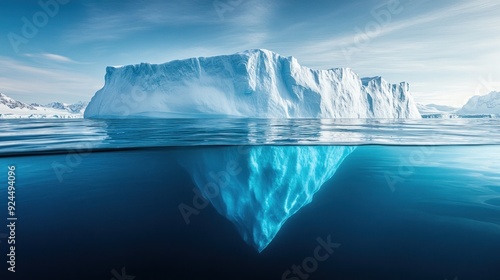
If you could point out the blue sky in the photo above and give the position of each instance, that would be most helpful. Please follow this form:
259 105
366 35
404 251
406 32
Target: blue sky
447 50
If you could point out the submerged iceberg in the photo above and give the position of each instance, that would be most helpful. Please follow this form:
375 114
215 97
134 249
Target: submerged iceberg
254 83
259 188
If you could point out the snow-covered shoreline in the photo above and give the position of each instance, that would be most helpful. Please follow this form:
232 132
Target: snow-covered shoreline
14 109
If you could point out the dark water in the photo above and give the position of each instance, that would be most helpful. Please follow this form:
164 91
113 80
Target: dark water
397 212
408 199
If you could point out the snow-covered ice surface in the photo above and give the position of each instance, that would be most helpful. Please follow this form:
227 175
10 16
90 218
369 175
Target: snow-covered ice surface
254 83
486 104
435 109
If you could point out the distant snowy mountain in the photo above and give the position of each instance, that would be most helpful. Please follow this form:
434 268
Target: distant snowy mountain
57 105
13 109
486 104
435 109
76 108
254 83
9 103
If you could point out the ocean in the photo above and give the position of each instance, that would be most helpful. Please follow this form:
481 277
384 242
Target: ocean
104 199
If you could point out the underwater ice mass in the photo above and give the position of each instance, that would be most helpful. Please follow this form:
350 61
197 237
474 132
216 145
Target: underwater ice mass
259 188
256 188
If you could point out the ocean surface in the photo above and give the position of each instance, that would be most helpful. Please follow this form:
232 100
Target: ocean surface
100 199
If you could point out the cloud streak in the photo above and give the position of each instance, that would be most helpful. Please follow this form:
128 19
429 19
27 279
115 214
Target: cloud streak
118 21
442 52
51 57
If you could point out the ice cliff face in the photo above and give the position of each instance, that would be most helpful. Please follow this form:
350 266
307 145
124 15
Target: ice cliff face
259 188
254 83
486 104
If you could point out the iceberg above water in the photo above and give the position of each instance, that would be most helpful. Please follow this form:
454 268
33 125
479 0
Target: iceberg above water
258 188
486 105
250 84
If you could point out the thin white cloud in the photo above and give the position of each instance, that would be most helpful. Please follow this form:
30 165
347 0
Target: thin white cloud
51 57
107 23
443 52
111 22
58 58
337 47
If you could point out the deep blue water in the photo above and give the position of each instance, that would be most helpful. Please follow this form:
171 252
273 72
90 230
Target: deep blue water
395 211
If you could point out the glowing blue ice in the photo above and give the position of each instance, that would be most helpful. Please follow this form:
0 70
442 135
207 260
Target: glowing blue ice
259 188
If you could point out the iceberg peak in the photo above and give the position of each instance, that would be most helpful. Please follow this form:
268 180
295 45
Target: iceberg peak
259 51
374 80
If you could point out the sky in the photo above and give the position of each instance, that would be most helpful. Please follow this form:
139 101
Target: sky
58 50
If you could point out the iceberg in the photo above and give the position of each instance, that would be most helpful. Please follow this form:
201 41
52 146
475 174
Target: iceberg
258 188
482 105
250 84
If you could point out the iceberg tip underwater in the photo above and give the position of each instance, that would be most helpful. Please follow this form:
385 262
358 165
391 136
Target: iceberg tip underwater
259 188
